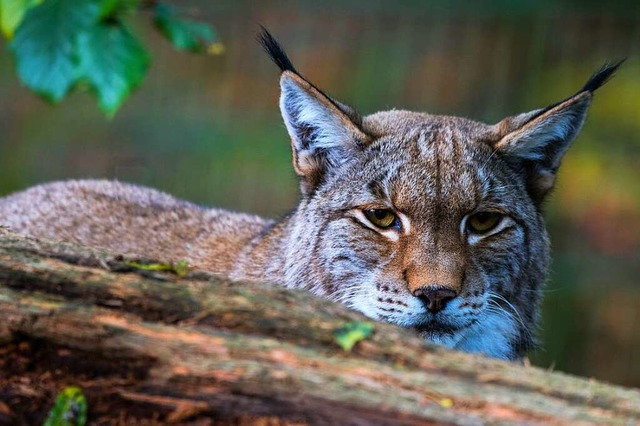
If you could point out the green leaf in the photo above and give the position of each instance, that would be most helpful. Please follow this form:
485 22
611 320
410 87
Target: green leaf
12 12
111 8
184 34
45 45
180 268
113 62
351 333
69 409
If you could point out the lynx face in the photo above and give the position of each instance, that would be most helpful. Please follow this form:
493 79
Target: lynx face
428 222
451 254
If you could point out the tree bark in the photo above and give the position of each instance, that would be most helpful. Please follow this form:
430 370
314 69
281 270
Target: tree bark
156 348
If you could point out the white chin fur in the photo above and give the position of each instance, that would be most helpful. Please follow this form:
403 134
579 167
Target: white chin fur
490 336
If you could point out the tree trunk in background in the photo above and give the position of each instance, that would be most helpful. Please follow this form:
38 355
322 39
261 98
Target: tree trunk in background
204 350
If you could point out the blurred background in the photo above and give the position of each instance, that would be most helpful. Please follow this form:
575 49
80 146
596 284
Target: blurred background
207 128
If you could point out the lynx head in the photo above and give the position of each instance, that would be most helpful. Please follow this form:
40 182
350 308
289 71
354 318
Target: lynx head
429 222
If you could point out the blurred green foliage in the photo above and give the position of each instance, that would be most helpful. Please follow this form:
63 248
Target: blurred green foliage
191 36
69 408
62 44
207 128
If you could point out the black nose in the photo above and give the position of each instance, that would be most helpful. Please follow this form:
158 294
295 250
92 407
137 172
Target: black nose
435 298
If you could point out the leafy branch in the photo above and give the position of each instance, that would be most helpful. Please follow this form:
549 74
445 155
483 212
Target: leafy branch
60 45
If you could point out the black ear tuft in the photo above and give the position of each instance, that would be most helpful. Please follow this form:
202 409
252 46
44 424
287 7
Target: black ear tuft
275 51
601 76
598 79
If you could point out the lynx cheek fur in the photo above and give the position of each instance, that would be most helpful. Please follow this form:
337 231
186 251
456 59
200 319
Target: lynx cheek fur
429 222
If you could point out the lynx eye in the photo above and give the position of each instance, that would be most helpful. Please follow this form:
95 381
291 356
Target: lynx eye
483 222
382 218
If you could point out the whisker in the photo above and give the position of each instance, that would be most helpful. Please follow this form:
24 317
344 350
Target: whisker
345 294
491 299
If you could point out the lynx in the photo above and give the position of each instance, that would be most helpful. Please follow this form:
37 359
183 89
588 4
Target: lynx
429 222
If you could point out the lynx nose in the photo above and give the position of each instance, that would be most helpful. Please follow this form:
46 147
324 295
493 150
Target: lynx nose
435 298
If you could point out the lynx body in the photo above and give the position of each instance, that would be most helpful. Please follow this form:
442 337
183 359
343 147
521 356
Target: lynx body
429 222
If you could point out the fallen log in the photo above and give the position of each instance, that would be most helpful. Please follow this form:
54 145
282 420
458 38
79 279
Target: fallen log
155 348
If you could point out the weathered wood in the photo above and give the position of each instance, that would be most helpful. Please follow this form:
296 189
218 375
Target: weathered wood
183 350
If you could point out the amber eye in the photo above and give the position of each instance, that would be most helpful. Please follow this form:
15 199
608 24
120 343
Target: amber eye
382 218
483 222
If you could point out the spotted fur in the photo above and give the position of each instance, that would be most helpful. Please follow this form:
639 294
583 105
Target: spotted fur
433 172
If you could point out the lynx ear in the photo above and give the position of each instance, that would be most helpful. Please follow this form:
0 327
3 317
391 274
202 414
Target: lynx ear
536 141
324 133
